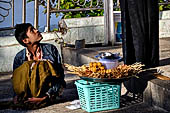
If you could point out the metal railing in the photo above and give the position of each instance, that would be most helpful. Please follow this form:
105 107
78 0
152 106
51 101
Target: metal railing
49 10
11 3
82 4
5 9
164 3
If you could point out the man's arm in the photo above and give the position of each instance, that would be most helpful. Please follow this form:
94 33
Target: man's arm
58 65
19 59
59 83
16 63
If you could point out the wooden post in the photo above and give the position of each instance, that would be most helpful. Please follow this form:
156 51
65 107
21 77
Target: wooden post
23 11
48 15
36 14
109 32
12 13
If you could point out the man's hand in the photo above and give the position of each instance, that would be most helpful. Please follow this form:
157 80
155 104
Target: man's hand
36 100
15 99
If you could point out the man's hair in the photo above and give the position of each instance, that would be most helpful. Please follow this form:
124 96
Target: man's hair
20 32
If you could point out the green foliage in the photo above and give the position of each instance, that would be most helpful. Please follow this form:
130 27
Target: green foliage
68 4
29 1
164 7
55 29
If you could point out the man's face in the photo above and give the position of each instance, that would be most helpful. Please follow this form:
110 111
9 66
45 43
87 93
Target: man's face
34 36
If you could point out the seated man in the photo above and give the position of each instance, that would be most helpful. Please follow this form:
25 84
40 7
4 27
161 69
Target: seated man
37 70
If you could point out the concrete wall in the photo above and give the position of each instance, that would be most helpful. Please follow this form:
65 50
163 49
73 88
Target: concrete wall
89 28
77 57
92 28
164 24
9 47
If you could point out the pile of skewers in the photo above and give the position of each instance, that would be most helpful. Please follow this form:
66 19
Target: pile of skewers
97 70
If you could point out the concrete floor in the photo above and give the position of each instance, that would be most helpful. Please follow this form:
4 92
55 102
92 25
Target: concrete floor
128 105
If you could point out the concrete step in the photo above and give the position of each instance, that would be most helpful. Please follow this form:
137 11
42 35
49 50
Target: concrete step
157 93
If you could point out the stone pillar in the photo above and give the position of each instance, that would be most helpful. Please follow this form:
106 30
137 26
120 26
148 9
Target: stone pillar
23 11
36 13
109 32
48 15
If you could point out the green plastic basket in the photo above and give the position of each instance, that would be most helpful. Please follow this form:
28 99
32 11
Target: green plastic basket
95 96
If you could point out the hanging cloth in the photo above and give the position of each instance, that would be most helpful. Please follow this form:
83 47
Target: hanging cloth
140 37
140 31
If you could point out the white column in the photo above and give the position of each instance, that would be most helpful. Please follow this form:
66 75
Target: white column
109 22
12 13
36 13
23 11
48 15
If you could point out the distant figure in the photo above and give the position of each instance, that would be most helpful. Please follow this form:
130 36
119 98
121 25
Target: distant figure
140 36
38 76
62 27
